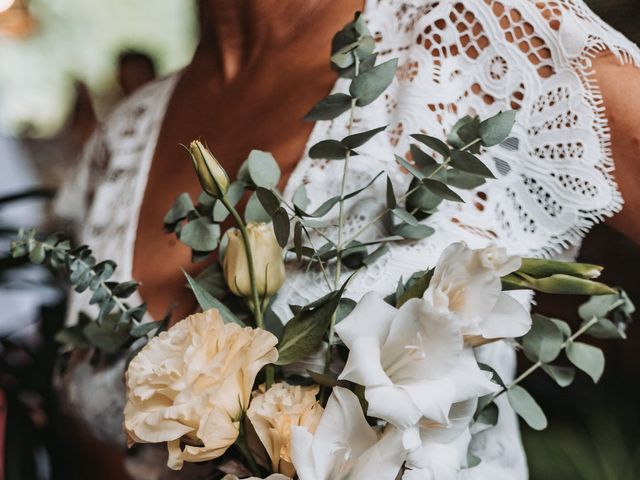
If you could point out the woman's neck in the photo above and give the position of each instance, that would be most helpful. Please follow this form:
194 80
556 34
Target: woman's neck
237 32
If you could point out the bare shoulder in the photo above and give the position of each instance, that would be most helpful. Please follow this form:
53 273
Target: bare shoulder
620 87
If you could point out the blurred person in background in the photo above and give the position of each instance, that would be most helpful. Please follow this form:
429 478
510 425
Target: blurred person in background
135 69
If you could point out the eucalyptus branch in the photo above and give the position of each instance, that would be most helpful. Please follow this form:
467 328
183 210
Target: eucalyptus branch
320 263
380 216
539 364
341 212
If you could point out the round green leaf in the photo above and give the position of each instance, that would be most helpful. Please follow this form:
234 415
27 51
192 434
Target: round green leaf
263 169
525 406
587 358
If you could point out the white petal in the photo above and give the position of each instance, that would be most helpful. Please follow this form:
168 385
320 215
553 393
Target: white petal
433 398
469 380
302 454
342 424
372 317
383 460
393 404
363 365
507 319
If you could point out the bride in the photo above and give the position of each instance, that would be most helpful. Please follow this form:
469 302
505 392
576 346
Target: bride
262 64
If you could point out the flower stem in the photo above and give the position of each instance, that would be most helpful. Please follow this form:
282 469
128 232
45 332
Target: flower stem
255 295
257 304
341 215
243 447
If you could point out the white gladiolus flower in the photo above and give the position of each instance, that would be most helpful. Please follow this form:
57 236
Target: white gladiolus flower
467 284
443 450
345 446
412 362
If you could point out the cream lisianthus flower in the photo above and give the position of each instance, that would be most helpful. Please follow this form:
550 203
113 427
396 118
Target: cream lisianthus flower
345 446
268 261
411 361
274 412
190 385
467 284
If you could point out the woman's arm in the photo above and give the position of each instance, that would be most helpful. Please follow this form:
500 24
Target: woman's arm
620 86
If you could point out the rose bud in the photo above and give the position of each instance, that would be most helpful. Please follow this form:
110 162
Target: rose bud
212 176
267 260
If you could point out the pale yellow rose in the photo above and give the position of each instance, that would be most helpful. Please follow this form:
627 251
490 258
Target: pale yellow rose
189 386
267 260
274 412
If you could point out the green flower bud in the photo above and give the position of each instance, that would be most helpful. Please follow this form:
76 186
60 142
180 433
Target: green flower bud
212 176
268 261
540 268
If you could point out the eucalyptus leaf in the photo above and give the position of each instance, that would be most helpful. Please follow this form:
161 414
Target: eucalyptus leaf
413 232
281 226
605 329
587 358
300 198
200 235
410 168
458 179
329 150
255 212
106 335
143 329
263 169
495 130
358 139
329 108
369 85
525 406
366 63
469 163
269 201
433 143
208 301
391 196
422 199
297 240
422 159
440 189
563 376
544 340
234 195
181 207
464 132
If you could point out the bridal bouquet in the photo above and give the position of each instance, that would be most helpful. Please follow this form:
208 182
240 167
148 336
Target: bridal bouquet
380 387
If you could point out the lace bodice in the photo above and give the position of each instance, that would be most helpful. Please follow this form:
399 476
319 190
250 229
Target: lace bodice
456 58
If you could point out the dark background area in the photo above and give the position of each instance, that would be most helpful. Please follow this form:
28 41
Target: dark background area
594 430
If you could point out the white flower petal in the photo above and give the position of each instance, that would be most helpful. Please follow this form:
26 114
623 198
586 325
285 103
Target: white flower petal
371 317
363 365
508 319
393 404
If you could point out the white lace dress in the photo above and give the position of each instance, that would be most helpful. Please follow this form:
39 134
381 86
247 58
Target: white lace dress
456 58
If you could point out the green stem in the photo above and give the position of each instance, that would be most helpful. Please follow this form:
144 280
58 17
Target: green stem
341 215
379 217
539 364
255 295
241 443
257 309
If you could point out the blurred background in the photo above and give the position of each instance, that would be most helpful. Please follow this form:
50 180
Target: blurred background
63 66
